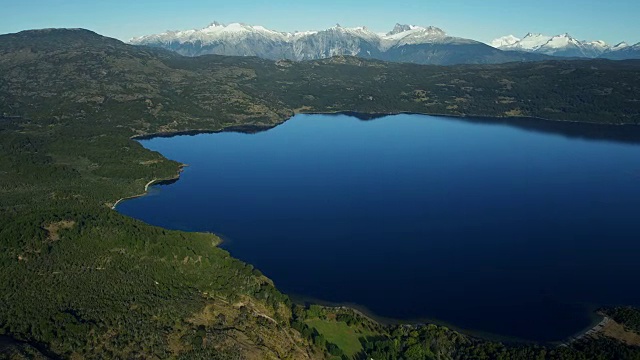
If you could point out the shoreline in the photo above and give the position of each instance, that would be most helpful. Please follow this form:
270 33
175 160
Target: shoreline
375 115
592 330
475 334
531 123
243 129
166 181
364 116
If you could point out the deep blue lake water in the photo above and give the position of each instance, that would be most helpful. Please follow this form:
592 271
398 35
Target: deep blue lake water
518 231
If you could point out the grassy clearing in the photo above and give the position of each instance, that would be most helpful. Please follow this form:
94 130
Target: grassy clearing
344 336
617 331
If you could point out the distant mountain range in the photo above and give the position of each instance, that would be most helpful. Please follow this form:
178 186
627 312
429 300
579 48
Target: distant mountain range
405 43
567 46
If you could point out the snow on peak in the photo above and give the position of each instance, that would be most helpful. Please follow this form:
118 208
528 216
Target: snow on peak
235 28
596 42
533 41
504 41
361 32
400 32
560 41
299 34
212 33
413 35
235 33
217 27
596 47
347 29
563 45
620 46
400 28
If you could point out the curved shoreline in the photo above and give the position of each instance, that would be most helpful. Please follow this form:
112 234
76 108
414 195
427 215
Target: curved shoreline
592 330
506 120
166 181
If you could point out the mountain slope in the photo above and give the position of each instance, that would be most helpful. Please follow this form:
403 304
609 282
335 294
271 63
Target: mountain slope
405 43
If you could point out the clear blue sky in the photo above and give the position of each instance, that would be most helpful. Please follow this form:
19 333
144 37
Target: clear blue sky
612 21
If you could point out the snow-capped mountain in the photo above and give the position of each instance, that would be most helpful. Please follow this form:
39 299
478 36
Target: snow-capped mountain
530 42
598 45
232 39
412 35
564 45
334 41
504 41
620 46
241 39
623 51
406 43
559 45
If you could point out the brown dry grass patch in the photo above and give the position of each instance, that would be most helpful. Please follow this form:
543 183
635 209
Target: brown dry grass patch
617 331
53 229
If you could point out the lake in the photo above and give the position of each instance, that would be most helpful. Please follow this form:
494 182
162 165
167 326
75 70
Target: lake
516 228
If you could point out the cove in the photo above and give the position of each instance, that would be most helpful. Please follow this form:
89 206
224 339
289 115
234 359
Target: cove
516 228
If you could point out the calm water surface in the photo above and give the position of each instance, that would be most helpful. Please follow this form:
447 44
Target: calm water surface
509 230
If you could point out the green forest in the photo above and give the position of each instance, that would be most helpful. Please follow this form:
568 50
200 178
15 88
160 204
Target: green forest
78 280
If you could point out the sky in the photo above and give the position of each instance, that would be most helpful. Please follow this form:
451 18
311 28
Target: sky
611 21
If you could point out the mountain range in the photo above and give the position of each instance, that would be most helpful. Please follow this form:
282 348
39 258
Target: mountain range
567 46
405 43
